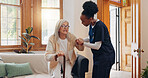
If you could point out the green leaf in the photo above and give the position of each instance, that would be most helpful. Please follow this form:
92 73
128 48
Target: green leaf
29 29
17 51
23 38
32 44
29 48
27 36
145 72
24 34
26 31
35 37
22 50
25 44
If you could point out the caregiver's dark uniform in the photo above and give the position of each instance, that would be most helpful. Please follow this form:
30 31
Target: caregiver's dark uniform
104 58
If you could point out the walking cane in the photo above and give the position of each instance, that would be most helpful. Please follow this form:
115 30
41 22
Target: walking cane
64 67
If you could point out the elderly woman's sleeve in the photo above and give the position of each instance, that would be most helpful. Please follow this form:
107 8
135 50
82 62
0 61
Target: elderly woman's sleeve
50 54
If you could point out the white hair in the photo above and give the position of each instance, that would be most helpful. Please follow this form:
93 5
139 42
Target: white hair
58 25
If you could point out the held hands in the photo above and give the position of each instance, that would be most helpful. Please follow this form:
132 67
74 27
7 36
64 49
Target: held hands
79 41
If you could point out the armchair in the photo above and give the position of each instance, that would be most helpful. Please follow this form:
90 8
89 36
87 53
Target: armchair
80 67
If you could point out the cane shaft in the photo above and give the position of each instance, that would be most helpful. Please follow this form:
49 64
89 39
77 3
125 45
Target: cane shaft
64 67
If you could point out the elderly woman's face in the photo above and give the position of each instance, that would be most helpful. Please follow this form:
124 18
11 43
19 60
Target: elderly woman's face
64 28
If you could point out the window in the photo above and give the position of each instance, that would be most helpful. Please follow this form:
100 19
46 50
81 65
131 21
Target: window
50 14
10 22
119 1
17 15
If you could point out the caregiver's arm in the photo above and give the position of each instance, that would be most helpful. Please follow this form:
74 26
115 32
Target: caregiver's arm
86 39
95 45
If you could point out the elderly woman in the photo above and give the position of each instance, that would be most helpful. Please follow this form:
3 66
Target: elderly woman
61 43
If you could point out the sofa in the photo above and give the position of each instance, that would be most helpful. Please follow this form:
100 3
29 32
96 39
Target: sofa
40 67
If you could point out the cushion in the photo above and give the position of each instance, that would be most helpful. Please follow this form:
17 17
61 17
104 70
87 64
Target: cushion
35 76
2 70
18 69
1 61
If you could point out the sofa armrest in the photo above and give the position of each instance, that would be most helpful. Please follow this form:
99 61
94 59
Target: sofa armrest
80 67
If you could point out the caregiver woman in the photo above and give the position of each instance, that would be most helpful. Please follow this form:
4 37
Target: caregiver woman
98 40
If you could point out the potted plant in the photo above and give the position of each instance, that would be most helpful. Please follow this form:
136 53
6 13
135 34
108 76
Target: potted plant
26 41
145 72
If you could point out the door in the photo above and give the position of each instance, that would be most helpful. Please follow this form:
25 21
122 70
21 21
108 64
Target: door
126 39
136 44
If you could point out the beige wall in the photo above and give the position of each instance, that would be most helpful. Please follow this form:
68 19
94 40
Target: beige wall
81 31
144 32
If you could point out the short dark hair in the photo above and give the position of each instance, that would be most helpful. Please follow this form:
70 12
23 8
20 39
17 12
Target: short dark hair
90 8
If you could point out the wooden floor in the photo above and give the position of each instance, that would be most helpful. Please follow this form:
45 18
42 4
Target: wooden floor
114 74
120 74
88 75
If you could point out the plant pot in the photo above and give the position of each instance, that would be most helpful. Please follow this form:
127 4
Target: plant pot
24 52
28 53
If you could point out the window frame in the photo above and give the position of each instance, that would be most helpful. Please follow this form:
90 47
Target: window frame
116 1
10 47
103 13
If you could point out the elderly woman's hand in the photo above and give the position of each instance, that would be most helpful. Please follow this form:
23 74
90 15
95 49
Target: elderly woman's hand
60 53
79 41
